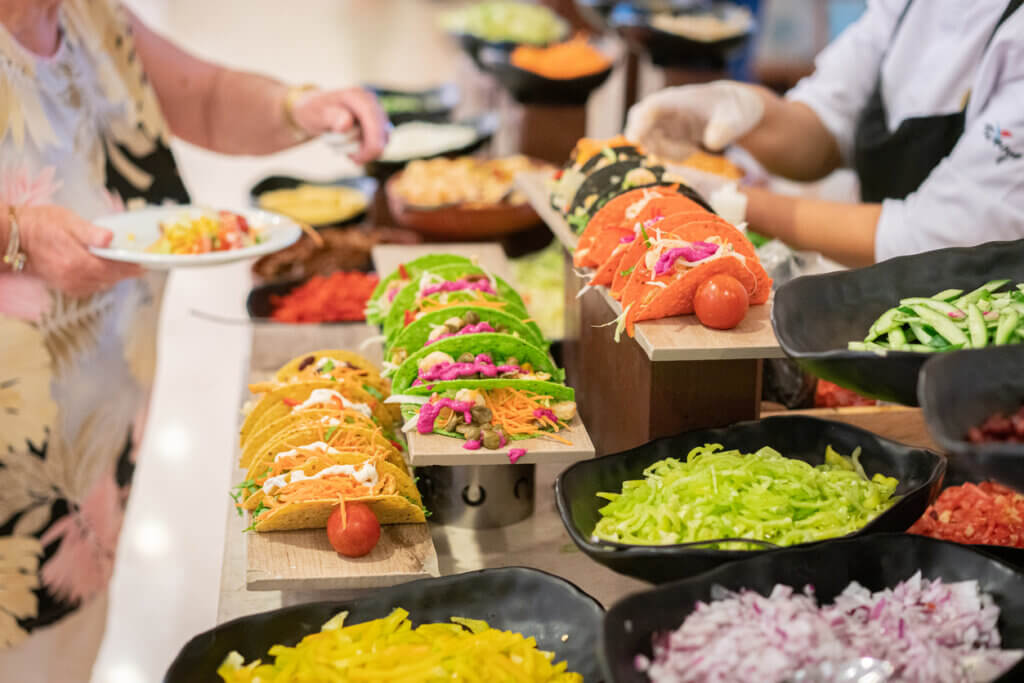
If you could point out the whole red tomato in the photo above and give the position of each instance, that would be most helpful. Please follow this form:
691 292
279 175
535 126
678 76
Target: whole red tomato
357 534
721 302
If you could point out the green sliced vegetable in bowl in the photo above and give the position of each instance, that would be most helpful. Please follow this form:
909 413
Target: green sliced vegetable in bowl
764 497
950 320
686 504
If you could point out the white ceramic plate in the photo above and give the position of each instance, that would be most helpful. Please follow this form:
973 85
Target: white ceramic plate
134 231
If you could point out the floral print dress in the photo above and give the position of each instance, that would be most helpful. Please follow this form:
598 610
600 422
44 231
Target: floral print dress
81 129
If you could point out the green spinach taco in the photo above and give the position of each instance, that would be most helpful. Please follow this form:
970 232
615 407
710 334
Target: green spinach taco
447 286
457 321
488 413
473 357
384 293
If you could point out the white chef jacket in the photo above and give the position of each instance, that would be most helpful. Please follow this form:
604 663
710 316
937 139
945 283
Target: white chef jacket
937 58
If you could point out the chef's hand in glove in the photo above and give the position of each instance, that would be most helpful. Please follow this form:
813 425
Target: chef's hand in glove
673 122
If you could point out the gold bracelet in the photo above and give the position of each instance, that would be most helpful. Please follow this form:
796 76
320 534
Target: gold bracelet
13 256
291 98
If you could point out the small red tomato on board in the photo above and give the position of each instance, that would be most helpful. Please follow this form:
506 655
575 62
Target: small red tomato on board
356 534
721 302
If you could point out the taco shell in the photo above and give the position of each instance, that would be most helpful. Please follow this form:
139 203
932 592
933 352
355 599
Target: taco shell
272 405
498 346
414 336
377 309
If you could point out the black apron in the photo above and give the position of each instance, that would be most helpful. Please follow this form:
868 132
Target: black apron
893 164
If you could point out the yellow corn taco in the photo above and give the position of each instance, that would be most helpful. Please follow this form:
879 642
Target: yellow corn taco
311 365
300 422
370 443
332 365
300 490
293 398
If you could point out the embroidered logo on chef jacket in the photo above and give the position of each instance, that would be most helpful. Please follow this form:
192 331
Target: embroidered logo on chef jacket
1001 139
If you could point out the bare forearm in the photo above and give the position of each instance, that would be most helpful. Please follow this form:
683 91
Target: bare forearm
226 111
246 115
790 140
841 231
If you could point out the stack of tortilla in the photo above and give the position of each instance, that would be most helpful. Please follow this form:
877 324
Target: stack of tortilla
319 434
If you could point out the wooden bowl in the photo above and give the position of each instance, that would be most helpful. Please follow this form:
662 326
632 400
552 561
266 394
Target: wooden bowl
460 221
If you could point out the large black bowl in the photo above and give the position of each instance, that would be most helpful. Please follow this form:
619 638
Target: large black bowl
876 562
527 87
433 104
485 126
365 185
633 22
529 601
919 472
815 317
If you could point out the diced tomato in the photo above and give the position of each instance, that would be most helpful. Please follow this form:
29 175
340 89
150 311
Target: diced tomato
402 272
409 317
289 402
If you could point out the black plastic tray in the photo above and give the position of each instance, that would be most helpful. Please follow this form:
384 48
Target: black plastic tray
815 317
878 561
529 601
919 471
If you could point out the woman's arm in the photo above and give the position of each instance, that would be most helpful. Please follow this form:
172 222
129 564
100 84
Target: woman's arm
235 112
841 231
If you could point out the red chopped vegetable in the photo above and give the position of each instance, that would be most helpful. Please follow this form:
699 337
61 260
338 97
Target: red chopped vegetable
341 296
829 395
999 428
984 514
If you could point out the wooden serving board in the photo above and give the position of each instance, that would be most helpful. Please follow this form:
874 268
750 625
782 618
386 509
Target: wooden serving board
434 449
681 338
305 560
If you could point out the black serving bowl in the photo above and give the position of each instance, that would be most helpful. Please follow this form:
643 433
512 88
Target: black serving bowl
958 391
433 104
484 124
814 317
919 472
527 87
633 22
876 562
364 184
528 601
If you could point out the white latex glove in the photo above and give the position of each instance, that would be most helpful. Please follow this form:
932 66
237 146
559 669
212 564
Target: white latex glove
671 123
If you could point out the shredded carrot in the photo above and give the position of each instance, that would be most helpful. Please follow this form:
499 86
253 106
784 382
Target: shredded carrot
513 410
571 59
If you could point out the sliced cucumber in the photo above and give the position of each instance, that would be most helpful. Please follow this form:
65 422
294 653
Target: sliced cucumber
976 323
942 324
1007 324
973 296
948 294
940 306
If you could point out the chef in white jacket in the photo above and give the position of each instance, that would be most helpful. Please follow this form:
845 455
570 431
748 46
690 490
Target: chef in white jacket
924 99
